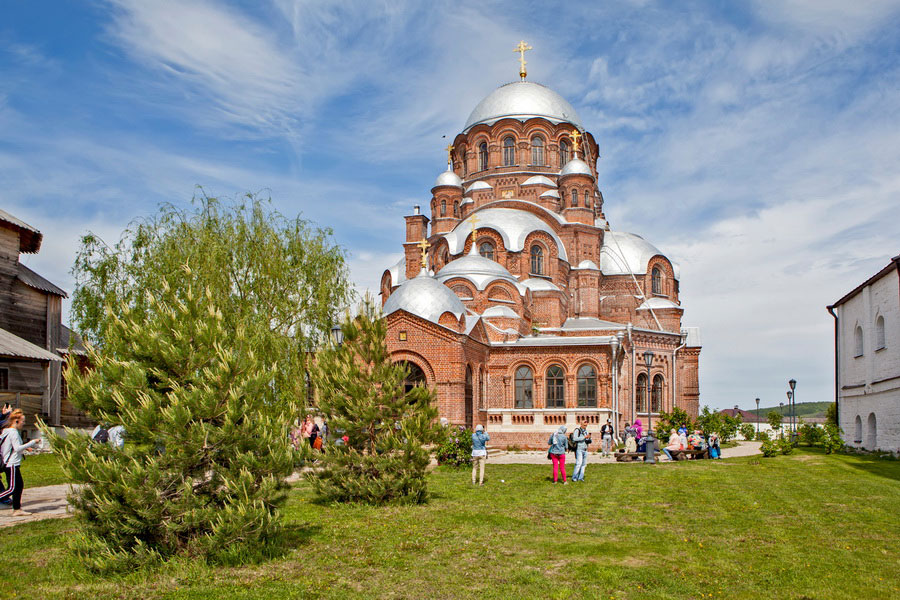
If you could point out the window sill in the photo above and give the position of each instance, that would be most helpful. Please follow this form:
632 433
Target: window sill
880 349
541 275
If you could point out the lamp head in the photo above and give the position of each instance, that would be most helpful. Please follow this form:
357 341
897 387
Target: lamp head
793 384
337 335
757 402
648 358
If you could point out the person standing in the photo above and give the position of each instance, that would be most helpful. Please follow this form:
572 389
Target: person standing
479 453
11 450
558 446
606 437
117 437
582 438
307 429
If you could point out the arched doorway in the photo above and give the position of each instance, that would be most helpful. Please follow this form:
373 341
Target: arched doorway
469 404
871 434
415 377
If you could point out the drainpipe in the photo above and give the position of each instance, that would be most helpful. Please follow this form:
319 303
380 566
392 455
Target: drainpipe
675 369
837 405
614 353
629 328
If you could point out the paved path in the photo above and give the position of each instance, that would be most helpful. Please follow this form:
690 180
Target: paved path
49 502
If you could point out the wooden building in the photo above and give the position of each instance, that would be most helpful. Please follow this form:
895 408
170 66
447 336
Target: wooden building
33 341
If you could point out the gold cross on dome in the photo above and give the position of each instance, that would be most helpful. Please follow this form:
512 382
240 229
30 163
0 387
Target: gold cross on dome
521 49
576 135
449 150
424 245
473 221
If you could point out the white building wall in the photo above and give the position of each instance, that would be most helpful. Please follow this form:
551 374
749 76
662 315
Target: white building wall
870 383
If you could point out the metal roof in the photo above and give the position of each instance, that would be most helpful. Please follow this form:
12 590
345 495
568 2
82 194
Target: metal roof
29 237
522 100
32 279
12 346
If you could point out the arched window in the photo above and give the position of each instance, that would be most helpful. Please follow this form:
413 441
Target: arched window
486 249
587 387
456 209
482 388
871 433
587 199
640 393
416 376
879 333
509 151
443 208
563 152
433 209
537 150
858 338
537 260
524 388
574 198
656 280
556 388
465 163
483 156
857 438
656 395
469 400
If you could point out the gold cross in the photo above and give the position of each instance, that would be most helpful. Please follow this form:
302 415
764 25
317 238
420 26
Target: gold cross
449 150
424 245
576 135
473 221
521 49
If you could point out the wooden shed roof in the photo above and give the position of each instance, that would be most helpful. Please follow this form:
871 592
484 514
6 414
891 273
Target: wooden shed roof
29 237
32 279
12 346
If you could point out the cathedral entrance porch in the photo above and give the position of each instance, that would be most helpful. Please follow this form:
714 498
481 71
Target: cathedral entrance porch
530 428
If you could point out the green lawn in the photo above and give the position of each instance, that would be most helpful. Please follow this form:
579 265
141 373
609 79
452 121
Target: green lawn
801 526
42 469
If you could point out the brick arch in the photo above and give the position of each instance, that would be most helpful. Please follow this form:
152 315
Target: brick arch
418 360
586 360
522 362
668 275
386 284
555 360
504 289
459 288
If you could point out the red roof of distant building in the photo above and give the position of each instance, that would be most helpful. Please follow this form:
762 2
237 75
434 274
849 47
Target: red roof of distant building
746 415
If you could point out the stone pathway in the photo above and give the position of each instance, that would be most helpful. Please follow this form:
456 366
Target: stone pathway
49 502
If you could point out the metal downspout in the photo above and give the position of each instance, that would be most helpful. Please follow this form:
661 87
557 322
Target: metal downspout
837 405
629 329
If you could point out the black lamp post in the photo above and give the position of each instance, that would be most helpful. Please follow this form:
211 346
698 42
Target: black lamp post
757 418
793 384
337 335
649 449
790 396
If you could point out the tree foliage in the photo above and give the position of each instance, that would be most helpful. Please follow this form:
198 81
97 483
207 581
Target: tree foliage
710 421
676 419
198 322
774 418
362 395
831 414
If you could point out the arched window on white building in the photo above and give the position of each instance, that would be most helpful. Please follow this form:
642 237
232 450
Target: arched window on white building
858 341
879 333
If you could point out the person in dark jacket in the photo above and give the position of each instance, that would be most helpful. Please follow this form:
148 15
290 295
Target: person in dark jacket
479 452
582 437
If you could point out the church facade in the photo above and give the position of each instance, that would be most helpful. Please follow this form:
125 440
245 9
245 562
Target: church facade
515 299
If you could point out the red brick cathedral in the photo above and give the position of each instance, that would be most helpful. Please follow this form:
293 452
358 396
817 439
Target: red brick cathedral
521 306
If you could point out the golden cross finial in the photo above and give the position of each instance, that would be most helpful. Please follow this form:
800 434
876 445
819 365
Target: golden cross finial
424 245
449 150
473 221
521 49
576 135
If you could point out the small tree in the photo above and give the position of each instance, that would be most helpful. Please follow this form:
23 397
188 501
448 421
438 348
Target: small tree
676 419
832 438
831 414
775 418
362 393
748 431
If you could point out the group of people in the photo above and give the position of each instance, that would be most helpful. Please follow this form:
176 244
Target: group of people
12 448
309 433
680 440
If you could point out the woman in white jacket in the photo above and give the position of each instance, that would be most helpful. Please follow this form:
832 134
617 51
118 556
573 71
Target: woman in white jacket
11 450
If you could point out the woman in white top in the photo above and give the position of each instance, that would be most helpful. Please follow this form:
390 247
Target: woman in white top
11 450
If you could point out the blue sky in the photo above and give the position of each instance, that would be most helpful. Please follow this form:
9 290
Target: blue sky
756 143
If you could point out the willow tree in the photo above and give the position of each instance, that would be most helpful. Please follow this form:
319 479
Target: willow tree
198 325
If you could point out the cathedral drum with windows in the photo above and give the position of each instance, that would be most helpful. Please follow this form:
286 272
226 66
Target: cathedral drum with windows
521 307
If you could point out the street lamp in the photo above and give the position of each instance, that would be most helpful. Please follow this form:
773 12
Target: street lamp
337 335
757 418
793 384
790 396
649 448
781 410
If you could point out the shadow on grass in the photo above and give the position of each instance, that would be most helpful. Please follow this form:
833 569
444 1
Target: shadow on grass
882 466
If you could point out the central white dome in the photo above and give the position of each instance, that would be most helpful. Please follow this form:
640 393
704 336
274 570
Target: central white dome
523 100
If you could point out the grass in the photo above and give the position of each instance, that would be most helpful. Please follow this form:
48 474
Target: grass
801 526
42 469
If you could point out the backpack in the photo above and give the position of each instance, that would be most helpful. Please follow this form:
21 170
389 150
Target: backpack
572 445
102 436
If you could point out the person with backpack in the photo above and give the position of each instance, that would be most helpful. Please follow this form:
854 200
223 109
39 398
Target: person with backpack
100 434
557 453
580 439
479 452
11 451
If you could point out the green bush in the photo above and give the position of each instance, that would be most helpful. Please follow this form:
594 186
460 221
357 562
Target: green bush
455 449
785 446
831 438
769 448
748 431
762 436
810 434
676 419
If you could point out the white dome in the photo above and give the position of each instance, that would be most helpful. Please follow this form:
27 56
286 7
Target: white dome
448 177
625 253
576 166
500 311
424 297
550 194
539 180
479 185
523 100
588 264
512 224
536 284
479 270
657 304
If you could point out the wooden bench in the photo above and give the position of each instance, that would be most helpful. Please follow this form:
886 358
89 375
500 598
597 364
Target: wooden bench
632 456
685 454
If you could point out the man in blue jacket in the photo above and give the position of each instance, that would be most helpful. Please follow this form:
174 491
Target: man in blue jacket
479 453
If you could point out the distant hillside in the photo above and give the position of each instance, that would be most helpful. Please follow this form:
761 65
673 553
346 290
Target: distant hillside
801 409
